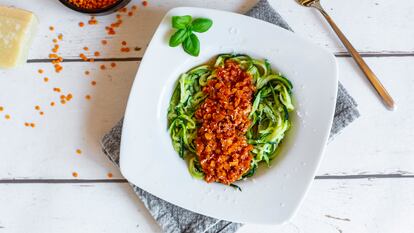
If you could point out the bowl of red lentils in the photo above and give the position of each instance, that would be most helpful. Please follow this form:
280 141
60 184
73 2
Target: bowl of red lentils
95 7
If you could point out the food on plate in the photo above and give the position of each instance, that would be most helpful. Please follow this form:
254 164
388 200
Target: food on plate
17 29
185 36
227 116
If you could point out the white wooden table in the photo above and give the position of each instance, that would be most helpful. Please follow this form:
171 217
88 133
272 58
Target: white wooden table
365 182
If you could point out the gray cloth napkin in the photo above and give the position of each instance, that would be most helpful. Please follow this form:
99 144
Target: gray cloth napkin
174 219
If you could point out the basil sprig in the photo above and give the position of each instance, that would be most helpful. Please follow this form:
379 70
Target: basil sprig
185 34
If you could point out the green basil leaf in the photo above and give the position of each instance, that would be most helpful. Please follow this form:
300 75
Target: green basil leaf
181 22
192 45
178 37
201 24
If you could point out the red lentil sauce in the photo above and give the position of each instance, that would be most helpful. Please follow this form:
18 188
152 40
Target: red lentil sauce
221 144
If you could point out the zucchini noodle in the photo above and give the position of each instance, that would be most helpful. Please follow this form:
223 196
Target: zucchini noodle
269 116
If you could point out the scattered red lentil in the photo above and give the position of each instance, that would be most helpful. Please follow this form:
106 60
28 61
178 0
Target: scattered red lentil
85 48
46 79
69 97
51 28
93 21
83 57
93 83
74 174
7 116
130 13
53 56
63 101
124 43
87 72
1 108
137 48
26 124
103 67
144 3
104 42
125 50
40 71
88 97
91 60
37 107
113 64
56 89
41 113
134 7
97 54
60 36
118 16
81 24
110 175
78 151
55 40
32 125
52 104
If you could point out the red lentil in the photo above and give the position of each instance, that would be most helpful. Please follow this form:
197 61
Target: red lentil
46 79
78 151
7 116
81 24
144 3
1 108
103 67
113 64
92 4
32 125
97 54
86 72
85 48
51 28
88 97
52 104
93 83
60 36
104 42
75 174
110 175
37 107
40 71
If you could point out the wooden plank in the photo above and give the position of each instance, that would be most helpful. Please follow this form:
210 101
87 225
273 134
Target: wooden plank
359 206
332 206
49 150
136 30
371 25
372 19
73 208
378 142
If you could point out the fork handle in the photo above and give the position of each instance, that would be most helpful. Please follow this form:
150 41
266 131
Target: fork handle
387 99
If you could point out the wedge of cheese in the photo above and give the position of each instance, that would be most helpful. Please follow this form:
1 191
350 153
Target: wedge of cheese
17 29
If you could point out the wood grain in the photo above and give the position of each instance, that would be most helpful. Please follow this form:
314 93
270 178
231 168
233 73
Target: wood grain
332 206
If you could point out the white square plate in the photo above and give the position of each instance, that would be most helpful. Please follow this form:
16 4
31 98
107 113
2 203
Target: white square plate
272 196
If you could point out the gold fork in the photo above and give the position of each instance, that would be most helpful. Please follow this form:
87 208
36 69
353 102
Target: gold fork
387 99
